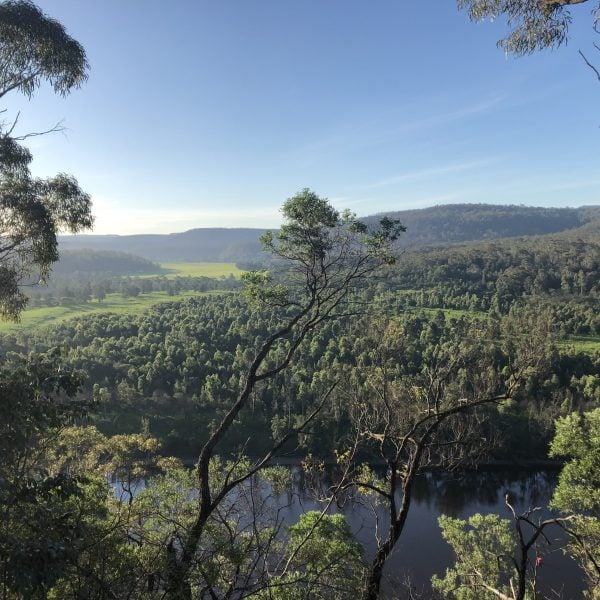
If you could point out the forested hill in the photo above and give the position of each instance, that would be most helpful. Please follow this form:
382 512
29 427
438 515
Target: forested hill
452 223
74 262
210 244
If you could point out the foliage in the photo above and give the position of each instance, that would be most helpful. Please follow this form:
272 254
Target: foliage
34 49
37 397
90 264
535 24
113 304
578 438
36 527
578 492
324 561
483 545
324 257
431 413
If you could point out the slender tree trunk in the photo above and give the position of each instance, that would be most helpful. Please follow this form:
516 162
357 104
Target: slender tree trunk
373 584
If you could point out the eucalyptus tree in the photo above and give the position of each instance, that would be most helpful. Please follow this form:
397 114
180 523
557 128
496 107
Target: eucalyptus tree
534 24
496 559
578 491
322 256
416 408
36 396
34 49
501 558
36 531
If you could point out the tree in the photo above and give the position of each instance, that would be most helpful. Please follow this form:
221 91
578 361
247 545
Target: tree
494 561
534 24
35 400
578 491
36 533
324 561
34 49
322 256
414 413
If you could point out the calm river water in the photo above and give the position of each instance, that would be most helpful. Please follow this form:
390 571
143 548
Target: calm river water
421 551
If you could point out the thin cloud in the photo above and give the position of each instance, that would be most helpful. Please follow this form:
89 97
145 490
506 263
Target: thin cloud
432 172
375 131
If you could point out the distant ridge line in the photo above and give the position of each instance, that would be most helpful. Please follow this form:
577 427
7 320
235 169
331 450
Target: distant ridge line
436 225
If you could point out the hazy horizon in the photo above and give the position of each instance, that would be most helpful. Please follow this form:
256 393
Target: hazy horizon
263 227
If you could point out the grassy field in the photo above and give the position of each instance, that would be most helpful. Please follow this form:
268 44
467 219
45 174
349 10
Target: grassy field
114 303
582 343
198 269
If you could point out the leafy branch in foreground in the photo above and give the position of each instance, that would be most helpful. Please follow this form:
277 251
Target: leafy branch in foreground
322 256
578 492
495 561
34 49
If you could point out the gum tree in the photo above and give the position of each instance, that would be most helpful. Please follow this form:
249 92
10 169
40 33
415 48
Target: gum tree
321 257
534 24
34 49
36 396
578 492
417 407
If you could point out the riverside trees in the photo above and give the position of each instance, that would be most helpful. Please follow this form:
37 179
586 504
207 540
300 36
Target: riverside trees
206 534
423 405
500 558
578 492
324 256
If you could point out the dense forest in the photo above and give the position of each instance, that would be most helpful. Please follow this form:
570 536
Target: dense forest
174 366
499 319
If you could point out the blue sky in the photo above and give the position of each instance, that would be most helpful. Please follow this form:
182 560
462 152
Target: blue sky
211 113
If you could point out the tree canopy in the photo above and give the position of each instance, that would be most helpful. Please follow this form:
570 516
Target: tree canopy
533 24
33 49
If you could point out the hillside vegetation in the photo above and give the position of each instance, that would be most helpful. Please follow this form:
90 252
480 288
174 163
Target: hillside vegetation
437 225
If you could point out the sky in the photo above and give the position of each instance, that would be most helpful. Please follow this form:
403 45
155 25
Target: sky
211 113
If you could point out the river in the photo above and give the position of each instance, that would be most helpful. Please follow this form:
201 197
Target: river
421 551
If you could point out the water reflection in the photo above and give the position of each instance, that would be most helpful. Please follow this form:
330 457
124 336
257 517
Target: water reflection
421 551
451 493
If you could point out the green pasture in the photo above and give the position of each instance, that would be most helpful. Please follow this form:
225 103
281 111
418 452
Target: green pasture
581 343
198 269
34 318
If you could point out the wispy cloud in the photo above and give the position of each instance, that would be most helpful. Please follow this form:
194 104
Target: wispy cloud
431 172
447 117
375 129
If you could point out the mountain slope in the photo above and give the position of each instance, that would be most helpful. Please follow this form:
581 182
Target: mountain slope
452 223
